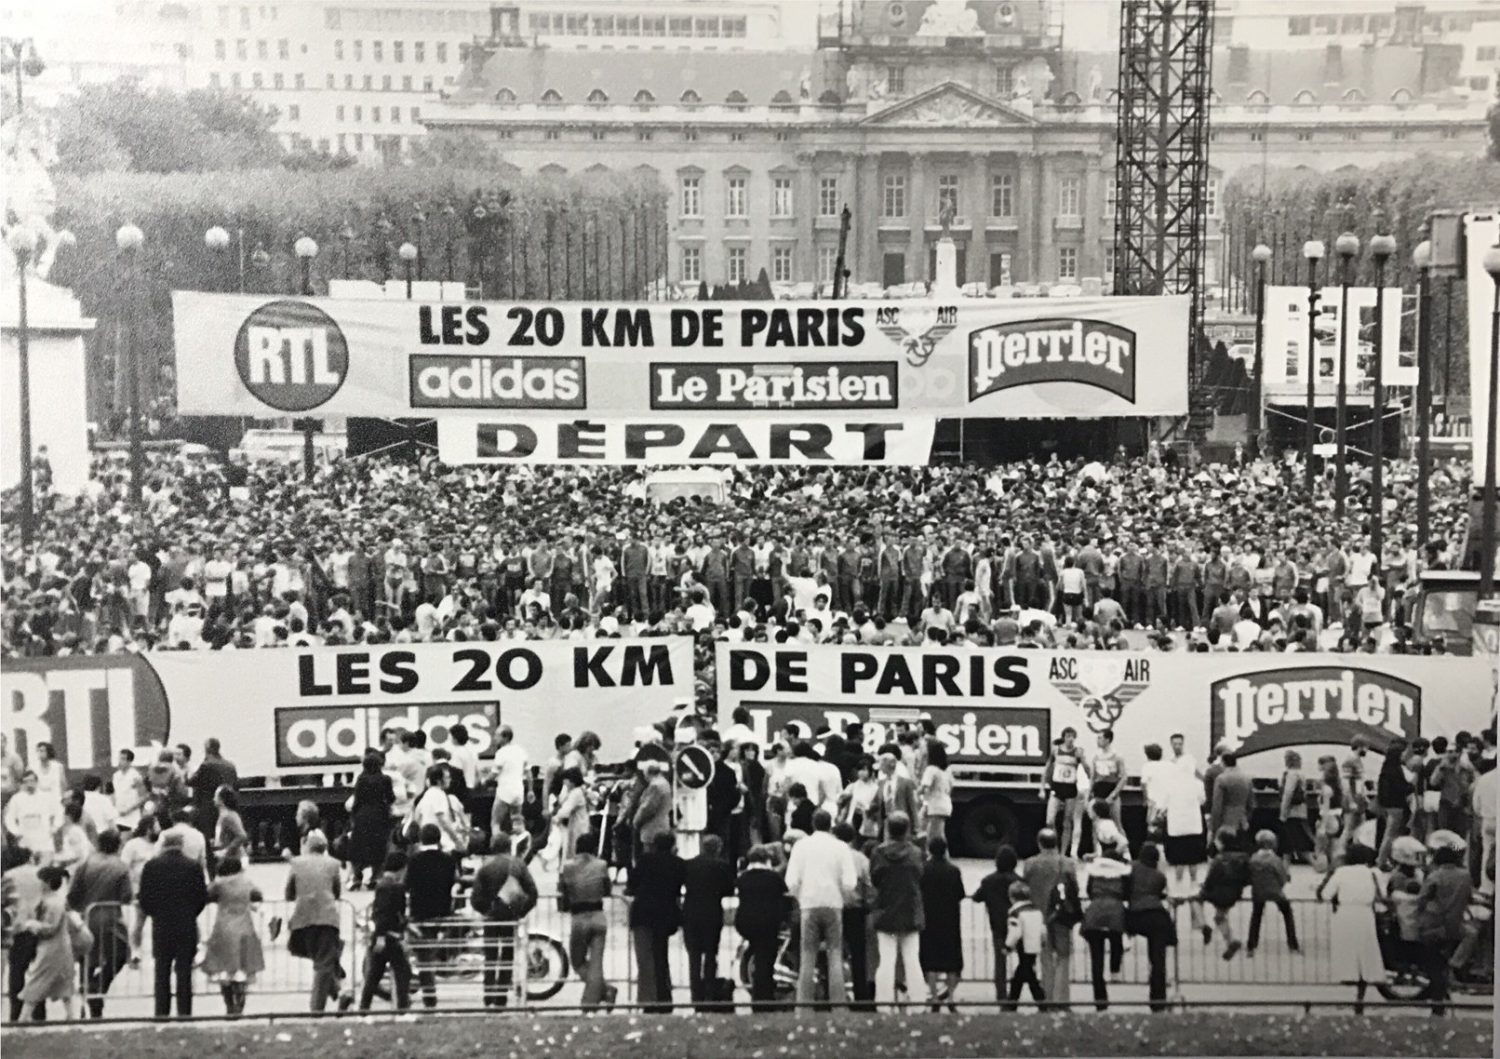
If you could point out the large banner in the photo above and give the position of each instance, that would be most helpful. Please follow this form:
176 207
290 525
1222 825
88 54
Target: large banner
666 440
1004 707
1285 359
319 710
1082 357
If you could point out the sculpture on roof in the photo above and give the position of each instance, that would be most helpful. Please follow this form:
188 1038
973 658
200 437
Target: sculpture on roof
1096 85
950 18
804 84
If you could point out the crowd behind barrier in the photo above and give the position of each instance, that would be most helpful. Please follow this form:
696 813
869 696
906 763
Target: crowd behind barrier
1074 554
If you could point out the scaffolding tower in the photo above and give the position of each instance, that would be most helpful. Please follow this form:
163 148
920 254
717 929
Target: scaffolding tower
1161 154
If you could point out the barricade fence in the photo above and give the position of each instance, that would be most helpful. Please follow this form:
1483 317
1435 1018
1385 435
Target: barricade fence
464 961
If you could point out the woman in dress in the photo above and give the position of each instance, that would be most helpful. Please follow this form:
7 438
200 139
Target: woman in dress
857 799
1296 834
369 819
941 948
1354 891
230 838
936 791
1328 843
233 955
571 821
53 972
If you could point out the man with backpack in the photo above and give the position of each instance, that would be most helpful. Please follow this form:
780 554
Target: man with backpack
1052 880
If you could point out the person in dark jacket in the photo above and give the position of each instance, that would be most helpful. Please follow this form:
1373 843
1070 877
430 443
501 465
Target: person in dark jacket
504 893
1108 888
994 894
1393 793
1441 906
1269 876
759 917
369 819
388 934
655 914
1147 916
100 891
708 879
173 893
1224 885
430 875
897 913
941 948
214 772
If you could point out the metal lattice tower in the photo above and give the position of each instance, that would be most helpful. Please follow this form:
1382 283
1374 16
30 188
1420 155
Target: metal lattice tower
1161 158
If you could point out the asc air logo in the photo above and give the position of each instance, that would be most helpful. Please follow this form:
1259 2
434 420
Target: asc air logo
1090 352
1315 704
1101 687
291 356
916 331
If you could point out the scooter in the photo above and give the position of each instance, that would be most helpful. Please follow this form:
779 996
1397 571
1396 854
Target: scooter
1473 970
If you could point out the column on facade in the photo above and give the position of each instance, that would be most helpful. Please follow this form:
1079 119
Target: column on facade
863 252
805 255
978 209
1091 259
1023 265
916 211
1044 206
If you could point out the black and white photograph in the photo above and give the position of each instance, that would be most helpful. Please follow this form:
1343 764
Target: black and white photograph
749 529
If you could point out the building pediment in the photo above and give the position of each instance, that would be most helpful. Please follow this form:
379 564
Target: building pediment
949 104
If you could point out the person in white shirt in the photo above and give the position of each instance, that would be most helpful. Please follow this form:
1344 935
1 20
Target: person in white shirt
139 578
830 786
463 756
33 817
433 806
129 791
699 612
821 875
805 768
97 807
51 777
739 732
511 769
538 595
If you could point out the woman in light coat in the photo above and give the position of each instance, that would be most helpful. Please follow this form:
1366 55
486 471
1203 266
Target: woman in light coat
233 955
571 821
1354 891
53 971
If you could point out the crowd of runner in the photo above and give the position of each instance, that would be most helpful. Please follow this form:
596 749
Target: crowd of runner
1050 553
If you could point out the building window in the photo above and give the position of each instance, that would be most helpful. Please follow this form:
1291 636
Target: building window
690 135
1257 137
343 146
692 196
234 80
294 113
416 114
377 51
553 134
1069 197
947 193
1067 262
385 82
241 51
419 51
1398 134
359 141
596 135
426 84
1111 196
375 115
257 81
369 83
1487 54
1352 135
781 197
1211 197
213 79
502 134
893 196
278 81
736 137
262 50
406 83
736 197
1479 84
643 135
359 51
300 81
283 49
338 113
395 115
1304 136
781 136
221 50
736 264
895 80
442 53
1002 195
398 51
692 264
828 261
781 264
1299 27
359 113
828 196
1005 82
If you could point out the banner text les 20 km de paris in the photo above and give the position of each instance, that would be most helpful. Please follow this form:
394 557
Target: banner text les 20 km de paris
670 362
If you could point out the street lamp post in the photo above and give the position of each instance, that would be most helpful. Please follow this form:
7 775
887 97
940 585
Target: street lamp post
1421 259
1312 251
346 236
418 219
1260 255
306 248
217 241
18 56
128 241
1347 247
409 256
1487 542
1382 246
22 240
449 222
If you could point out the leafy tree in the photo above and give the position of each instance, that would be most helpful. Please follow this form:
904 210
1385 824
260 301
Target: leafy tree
455 150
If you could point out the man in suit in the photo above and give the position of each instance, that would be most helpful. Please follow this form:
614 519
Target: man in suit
708 879
1042 874
504 893
101 892
653 809
213 773
896 793
1231 800
172 894
313 929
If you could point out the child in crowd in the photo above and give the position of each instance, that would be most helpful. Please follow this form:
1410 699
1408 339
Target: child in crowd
1023 936
1108 836
1269 876
1223 886
799 808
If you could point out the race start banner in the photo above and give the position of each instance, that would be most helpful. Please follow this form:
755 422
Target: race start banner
671 361
1005 707
666 440
319 709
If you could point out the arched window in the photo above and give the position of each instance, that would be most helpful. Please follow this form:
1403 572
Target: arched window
691 98
1070 99
1354 95
552 97
829 98
598 95
643 96
736 99
1304 97
505 95
1257 98
782 99
1401 97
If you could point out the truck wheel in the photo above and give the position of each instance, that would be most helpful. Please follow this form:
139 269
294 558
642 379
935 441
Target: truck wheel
985 827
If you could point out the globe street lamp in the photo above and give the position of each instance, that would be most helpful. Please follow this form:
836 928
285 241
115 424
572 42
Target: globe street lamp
306 248
1347 247
217 240
1421 259
1381 249
408 255
1312 251
1260 255
128 240
19 56
23 240
1487 542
